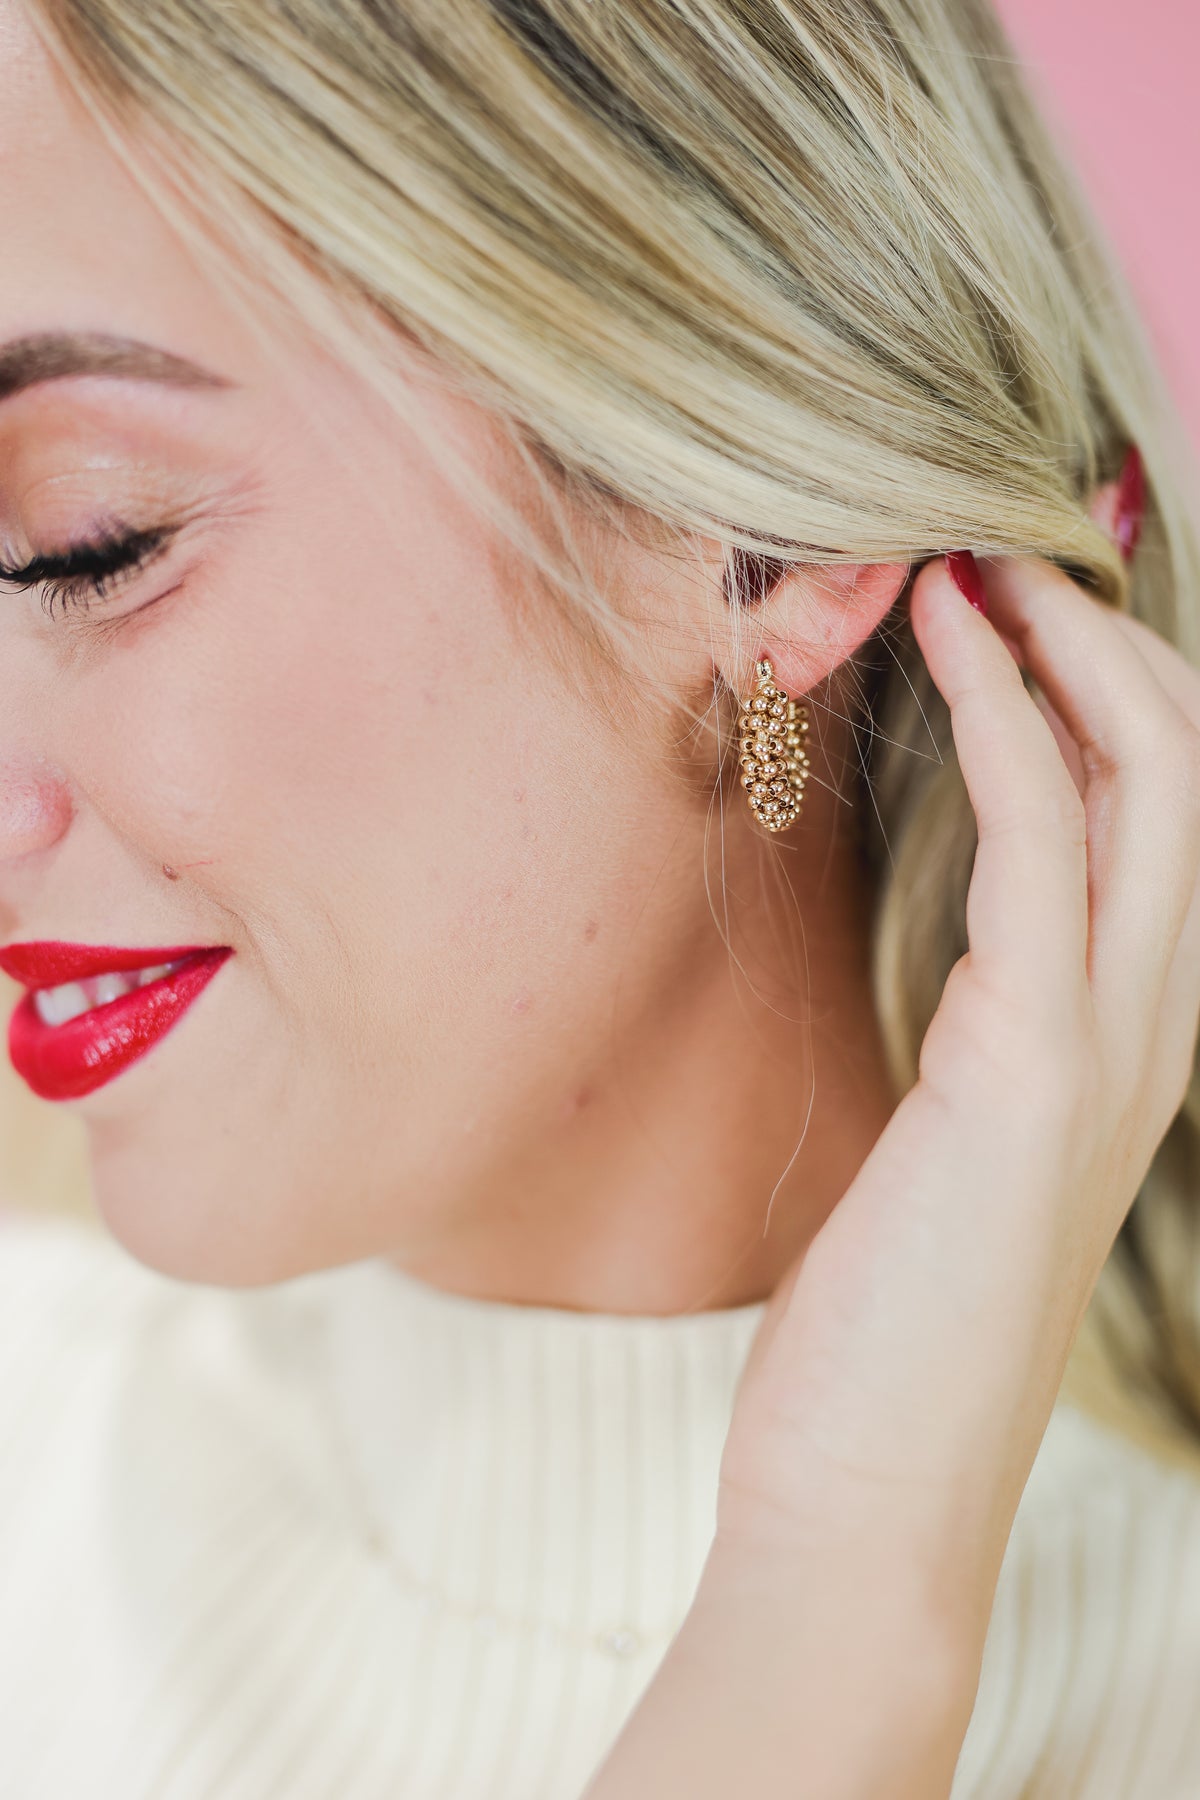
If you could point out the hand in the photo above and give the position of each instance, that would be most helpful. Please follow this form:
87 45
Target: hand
907 1367
1105 510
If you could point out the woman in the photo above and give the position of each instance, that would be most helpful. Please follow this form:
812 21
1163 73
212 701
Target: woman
599 1206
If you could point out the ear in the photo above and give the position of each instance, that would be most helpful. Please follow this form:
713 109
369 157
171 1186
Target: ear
1103 508
810 621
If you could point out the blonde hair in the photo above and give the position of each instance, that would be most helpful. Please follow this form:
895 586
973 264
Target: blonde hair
806 276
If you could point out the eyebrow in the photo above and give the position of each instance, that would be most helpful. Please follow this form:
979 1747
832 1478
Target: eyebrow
26 362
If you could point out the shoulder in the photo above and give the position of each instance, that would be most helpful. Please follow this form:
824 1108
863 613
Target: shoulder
1090 1681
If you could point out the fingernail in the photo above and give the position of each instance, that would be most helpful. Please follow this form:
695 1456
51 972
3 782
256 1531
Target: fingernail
1131 502
964 572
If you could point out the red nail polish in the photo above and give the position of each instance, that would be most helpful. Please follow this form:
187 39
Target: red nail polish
1131 502
964 572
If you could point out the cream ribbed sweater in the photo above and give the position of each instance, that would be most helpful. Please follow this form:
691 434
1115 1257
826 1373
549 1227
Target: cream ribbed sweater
190 1608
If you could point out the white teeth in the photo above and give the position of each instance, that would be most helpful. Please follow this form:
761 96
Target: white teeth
57 1005
103 988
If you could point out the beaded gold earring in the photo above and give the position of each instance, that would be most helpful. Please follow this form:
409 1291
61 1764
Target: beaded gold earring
774 762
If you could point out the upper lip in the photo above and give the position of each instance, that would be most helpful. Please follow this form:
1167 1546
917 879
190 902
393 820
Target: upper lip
48 963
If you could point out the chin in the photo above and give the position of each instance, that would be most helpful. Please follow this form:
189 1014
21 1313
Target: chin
189 1224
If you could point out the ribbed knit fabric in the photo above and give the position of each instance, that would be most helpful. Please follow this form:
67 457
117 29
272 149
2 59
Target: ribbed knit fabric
192 1607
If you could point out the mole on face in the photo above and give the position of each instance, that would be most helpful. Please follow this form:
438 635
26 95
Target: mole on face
590 930
173 874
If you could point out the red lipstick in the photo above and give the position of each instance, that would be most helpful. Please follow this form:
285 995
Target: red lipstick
65 1061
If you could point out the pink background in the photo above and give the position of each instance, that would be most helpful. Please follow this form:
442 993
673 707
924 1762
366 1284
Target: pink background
1125 101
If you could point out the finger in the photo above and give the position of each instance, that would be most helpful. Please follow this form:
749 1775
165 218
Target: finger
1103 510
1179 677
1027 903
1136 746
1068 749
1179 1012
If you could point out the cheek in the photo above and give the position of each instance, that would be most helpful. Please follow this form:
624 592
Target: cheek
380 775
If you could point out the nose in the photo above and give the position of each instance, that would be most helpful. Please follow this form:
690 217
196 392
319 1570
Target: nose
35 807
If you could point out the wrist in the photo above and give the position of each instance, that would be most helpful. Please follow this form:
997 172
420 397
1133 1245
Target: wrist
926 1554
785 1680
883 1612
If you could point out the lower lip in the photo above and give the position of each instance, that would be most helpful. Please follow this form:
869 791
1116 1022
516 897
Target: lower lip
63 1062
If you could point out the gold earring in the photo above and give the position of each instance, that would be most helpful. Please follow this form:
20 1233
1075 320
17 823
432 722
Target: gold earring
774 761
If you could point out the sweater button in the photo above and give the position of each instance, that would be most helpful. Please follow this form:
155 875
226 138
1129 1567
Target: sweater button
621 1642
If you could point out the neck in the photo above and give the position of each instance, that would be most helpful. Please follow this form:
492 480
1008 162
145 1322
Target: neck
732 1103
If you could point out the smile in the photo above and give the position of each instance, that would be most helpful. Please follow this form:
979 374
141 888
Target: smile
57 1005
67 1040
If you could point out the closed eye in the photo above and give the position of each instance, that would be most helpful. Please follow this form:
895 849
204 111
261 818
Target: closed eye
84 572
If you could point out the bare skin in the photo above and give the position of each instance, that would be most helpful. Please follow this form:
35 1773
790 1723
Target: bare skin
481 1015
479 1018
896 1397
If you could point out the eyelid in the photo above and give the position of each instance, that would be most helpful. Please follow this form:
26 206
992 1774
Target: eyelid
83 558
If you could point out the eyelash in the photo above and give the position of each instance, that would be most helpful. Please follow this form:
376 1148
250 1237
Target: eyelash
83 574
